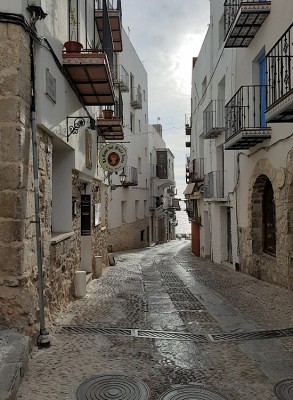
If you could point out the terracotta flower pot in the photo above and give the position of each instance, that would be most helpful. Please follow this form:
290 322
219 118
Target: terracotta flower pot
72 47
107 114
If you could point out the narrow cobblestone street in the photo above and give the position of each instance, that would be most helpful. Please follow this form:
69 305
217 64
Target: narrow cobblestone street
205 307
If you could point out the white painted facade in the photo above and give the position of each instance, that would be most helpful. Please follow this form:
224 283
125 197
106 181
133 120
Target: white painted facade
213 80
162 190
253 148
130 203
131 206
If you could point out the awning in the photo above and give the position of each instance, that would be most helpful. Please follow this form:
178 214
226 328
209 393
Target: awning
189 189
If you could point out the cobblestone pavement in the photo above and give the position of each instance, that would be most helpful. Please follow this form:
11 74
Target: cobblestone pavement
166 288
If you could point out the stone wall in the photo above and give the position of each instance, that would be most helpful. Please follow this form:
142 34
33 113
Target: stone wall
18 299
100 237
273 269
128 236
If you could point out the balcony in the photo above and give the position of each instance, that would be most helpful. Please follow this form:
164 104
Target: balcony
196 170
214 185
243 18
131 176
214 119
245 118
188 124
115 21
136 98
91 76
121 78
280 80
187 142
110 121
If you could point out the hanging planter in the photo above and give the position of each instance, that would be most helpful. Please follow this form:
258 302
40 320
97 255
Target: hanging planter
72 47
107 113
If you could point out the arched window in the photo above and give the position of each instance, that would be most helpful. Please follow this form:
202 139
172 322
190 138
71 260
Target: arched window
269 219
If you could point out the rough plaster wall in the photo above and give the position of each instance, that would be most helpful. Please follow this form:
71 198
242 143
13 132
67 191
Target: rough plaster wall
127 236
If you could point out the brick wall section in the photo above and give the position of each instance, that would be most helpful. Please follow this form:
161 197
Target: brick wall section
128 236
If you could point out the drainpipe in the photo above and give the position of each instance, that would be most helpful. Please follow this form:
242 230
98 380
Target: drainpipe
43 338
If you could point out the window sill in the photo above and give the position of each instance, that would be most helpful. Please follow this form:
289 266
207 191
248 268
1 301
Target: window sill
57 237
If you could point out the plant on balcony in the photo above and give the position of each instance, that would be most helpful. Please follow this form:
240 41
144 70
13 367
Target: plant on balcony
107 113
73 46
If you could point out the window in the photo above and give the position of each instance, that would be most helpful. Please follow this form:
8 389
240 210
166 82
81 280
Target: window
136 209
139 165
269 220
132 122
144 95
139 125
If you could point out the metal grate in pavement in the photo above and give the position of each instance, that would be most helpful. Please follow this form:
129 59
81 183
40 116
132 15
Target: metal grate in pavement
284 389
94 330
116 387
192 392
247 335
171 335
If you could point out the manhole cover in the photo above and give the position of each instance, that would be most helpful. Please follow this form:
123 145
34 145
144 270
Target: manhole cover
192 393
284 389
118 387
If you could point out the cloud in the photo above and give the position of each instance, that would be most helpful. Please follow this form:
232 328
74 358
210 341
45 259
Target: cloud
166 35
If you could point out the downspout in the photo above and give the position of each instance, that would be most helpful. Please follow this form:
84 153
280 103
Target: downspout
43 338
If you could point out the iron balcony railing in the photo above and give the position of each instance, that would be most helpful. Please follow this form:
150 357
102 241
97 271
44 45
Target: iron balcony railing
214 185
214 119
121 78
246 110
136 98
279 64
196 170
242 20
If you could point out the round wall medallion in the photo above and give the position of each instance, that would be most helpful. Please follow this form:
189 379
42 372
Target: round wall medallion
113 157
113 387
191 392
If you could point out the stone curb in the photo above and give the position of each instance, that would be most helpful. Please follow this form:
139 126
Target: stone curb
14 357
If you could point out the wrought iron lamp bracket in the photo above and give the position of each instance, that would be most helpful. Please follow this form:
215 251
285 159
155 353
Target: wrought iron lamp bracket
72 129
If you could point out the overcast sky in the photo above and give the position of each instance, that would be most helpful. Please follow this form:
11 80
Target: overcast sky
166 35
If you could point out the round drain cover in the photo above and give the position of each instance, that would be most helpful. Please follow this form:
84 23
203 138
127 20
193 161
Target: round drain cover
284 389
115 387
191 392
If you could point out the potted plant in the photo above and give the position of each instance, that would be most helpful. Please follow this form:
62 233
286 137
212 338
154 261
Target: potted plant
72 46
107 113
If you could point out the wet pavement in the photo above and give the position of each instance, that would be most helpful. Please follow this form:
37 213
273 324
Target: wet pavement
167 318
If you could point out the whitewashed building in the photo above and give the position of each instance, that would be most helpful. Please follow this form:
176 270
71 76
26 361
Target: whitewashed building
162 188
56 62
210 169
252 51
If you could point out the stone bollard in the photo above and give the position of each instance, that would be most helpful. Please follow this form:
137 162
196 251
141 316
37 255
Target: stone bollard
98 267
80 283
